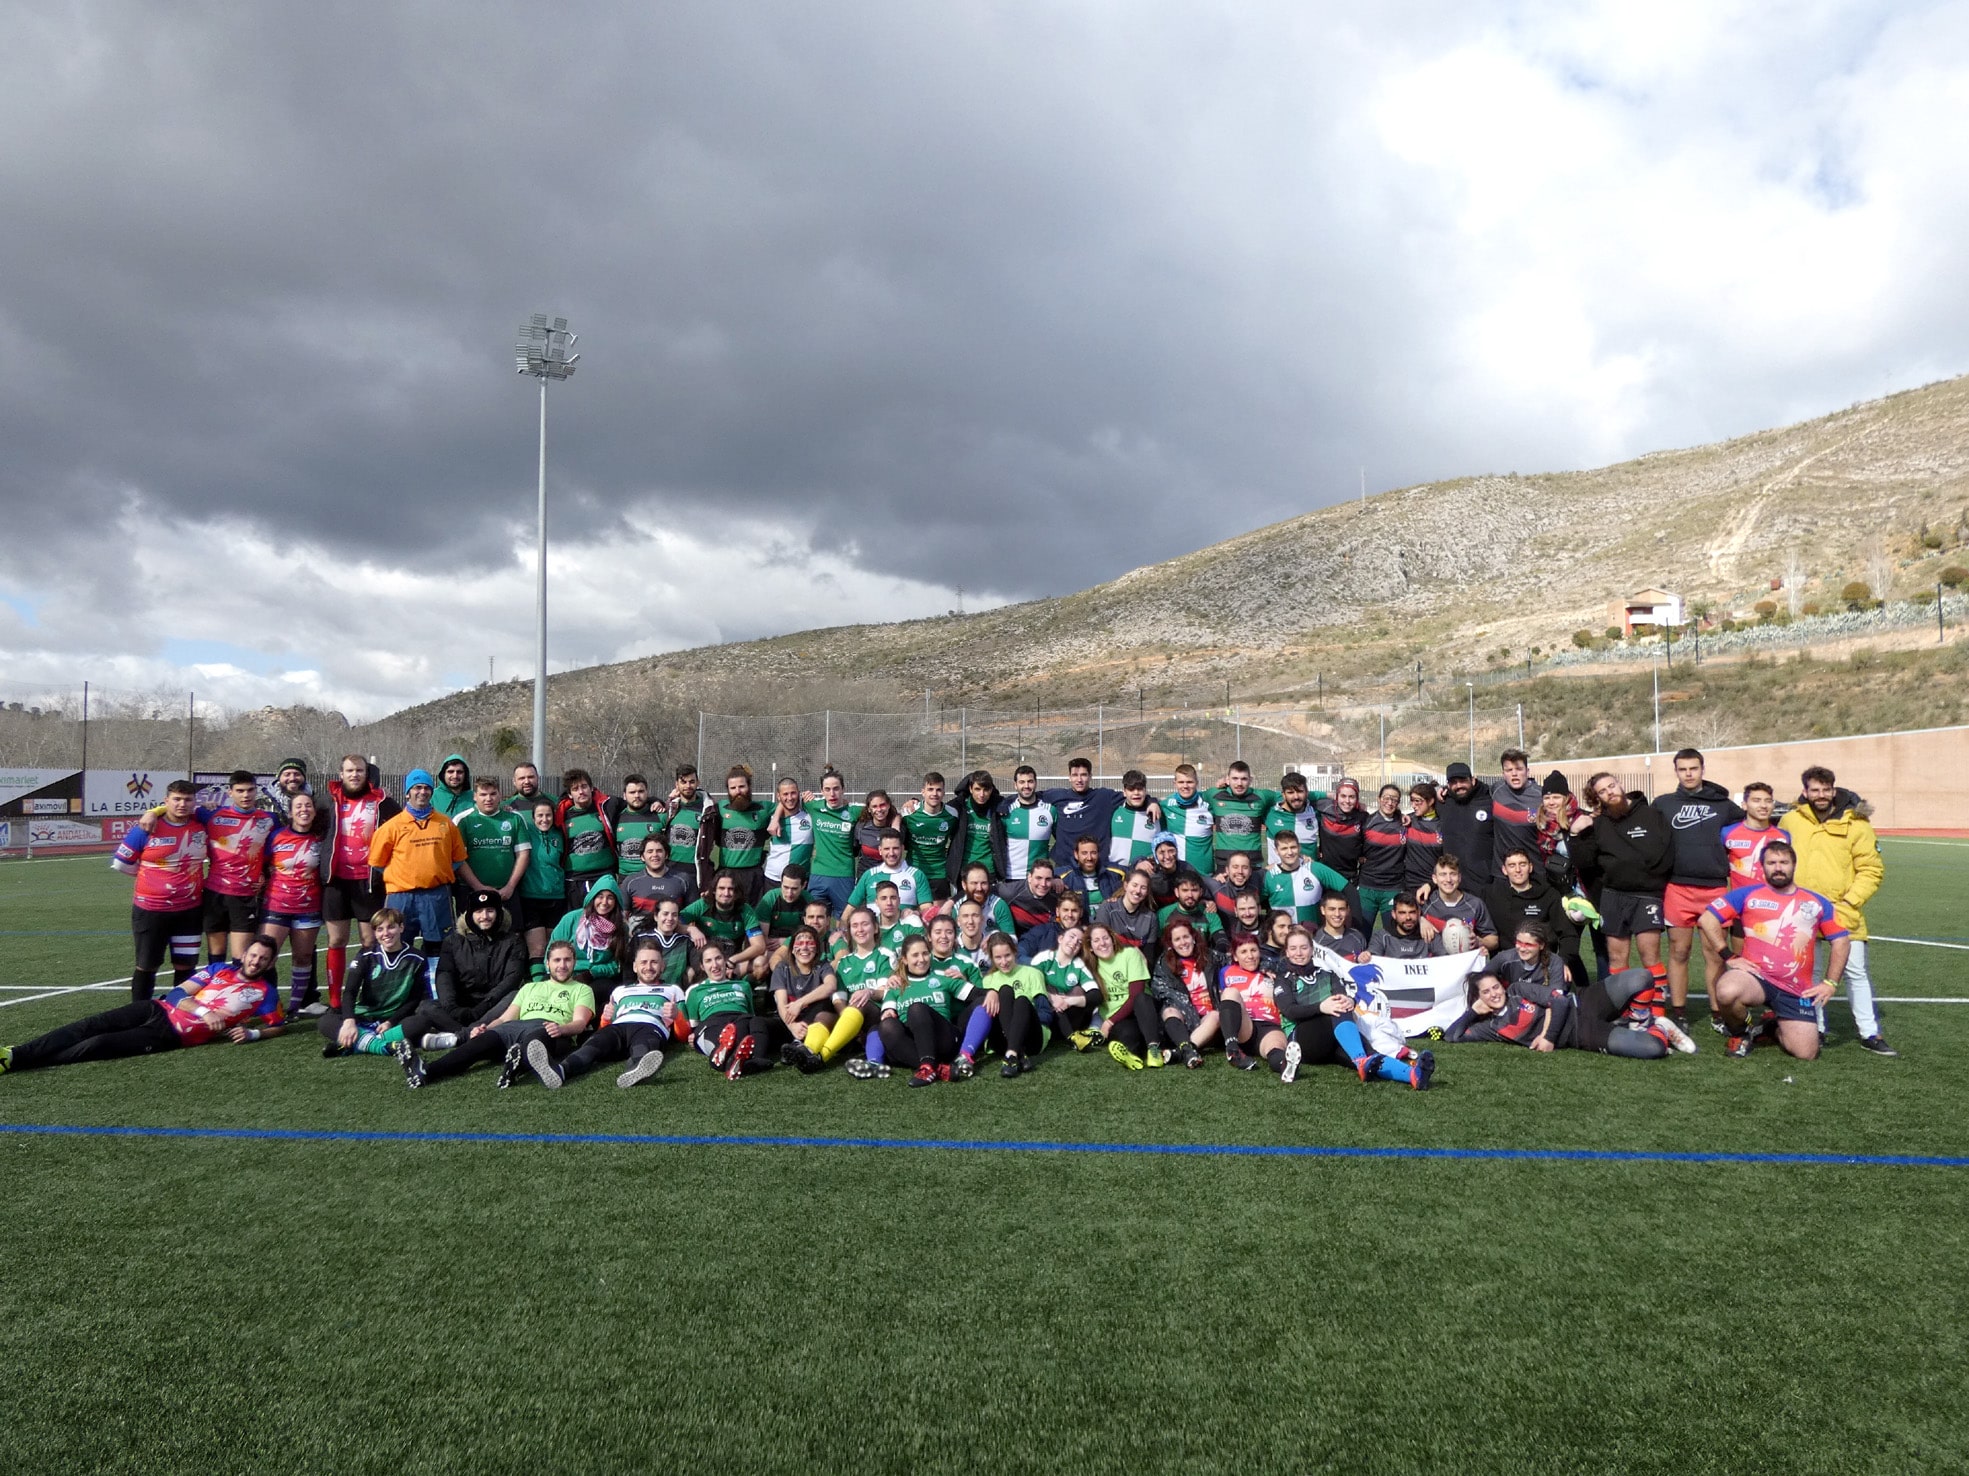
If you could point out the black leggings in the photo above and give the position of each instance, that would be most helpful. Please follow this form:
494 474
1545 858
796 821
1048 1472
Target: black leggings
614 1043
139 1028
1598 1010
709 1031
1317 1047
487 1045
1018 1023
1137 1024
923 1035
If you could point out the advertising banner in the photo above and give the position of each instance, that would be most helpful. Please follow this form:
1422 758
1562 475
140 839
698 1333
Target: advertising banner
19 786
125 791
56 834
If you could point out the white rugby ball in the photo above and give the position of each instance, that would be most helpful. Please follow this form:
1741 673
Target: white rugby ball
1457 937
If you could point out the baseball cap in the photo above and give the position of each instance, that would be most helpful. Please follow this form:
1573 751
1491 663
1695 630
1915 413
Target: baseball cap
1458 770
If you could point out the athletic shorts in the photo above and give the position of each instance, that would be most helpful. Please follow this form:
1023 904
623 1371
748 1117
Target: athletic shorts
1624 914
225 913
154 931
1786 1005
536 912
292 921
1681 905
349 899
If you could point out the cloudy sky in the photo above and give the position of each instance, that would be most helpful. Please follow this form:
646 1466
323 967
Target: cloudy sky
881 300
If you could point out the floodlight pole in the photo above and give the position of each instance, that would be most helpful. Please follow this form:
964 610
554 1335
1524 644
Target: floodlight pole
540 606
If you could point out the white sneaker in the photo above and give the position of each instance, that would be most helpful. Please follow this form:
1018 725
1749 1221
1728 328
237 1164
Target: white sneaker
440 1040
314 1009
1293 1052
542 1061
641 1069
1677 1036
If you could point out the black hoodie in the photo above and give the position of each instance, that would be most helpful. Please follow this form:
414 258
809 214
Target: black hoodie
1695 821
1632 854
477 970
1540 902
1466 828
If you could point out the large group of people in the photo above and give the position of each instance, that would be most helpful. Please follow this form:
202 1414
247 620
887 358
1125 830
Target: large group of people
471 923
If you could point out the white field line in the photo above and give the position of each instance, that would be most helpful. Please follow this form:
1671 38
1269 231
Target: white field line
1921 942
80 988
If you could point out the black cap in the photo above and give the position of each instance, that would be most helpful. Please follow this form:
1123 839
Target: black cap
485 898
1458 770
1557 783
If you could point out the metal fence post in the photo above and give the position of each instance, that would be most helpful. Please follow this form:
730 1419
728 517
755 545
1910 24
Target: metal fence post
827 736
1100 743
700 740
1237 722
964 739
1521 725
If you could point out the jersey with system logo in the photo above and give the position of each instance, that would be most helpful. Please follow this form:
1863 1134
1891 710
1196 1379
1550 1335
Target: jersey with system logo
1779 931
1028 836
238 849
1744 846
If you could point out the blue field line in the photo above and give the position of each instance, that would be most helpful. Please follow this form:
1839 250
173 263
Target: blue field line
990 1145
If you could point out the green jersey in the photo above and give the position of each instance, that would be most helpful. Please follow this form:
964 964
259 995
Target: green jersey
1115 976
685 829
1063 975
632 828
1299 890
774 916
997 913
676 953
493 844
589 851
895 934
933 989
543 999
717 997
928 835
522 804
793 846
1130 835
546 866
1028 836
1203 917
1303 823
834 838
1195 829
1026 982
912 886
729 928
977 841
1240 819
872 970
963 975
742 833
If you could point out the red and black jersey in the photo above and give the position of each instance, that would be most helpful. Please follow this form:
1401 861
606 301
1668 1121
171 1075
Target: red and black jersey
1384 852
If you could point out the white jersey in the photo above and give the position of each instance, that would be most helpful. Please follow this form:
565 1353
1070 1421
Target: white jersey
1028 836
795 843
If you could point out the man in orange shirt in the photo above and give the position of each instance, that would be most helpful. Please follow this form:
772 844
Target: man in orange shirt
414 857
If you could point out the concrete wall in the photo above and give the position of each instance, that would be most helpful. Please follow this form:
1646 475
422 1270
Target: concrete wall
1913 780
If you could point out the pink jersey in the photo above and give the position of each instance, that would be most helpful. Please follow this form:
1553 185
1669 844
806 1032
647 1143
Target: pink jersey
167 857
238 847
294 873
1779 931
356 819
1745 848
216 998
1255 989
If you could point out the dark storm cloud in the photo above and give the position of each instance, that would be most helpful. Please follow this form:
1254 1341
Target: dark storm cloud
900 275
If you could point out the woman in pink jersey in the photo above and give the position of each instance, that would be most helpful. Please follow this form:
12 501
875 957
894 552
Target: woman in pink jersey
297 867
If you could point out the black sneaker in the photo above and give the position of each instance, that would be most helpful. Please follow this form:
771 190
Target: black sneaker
1189 1055
1011 1067
1878 1046
1680 1017
410 1061
512 1066
1235 1054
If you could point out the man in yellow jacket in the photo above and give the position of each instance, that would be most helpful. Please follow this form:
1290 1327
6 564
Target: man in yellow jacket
1839 858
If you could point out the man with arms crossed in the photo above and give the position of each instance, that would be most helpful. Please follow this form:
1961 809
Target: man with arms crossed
1697 812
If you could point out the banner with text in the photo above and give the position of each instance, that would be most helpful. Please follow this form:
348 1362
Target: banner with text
125 791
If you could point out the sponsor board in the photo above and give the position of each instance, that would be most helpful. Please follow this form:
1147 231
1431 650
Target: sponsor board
125 791
44 806
54 834
20 786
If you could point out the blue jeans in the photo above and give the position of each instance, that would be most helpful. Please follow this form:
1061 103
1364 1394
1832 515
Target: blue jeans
426 915
833 889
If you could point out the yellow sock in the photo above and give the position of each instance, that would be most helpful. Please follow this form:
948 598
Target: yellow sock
843 1034
815 1038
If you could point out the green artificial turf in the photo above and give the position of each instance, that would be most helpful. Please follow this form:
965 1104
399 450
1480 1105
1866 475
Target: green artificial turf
211 1305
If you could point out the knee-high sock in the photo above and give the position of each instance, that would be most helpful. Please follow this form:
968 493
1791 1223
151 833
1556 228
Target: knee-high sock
300 983
815 1037
976 1030
1230 1016
1348 1034
1392 1070
1659 974
1175 1031
876 1048
842 1035
338 965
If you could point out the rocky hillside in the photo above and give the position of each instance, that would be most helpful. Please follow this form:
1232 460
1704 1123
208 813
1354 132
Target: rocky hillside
1878 493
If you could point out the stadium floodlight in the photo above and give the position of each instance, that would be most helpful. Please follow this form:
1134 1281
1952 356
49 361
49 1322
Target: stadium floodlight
543 351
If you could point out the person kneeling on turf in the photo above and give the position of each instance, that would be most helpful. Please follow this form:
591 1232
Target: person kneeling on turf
1522 1000
636 1023
1781 924
384 988
719 1010
557 1008
238 1000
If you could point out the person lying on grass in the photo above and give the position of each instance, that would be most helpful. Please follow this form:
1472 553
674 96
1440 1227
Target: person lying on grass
637 1022
1521 999
237 1001
557 1008
719 1010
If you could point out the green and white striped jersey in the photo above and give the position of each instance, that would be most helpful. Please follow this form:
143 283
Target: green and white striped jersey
1028 836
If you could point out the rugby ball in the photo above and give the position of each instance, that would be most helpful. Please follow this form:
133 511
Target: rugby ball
1457 937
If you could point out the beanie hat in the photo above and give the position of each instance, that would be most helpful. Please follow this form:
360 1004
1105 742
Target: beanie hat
1163 838
1557 783
300 766
416 777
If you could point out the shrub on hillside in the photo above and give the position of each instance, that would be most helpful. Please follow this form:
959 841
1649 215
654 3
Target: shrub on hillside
1955 576
1583 639
1766 609
1856 594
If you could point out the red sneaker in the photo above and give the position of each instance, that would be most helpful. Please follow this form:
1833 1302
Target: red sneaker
727 1038
740 1056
